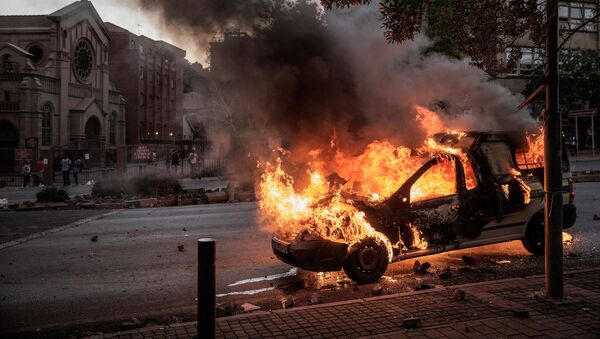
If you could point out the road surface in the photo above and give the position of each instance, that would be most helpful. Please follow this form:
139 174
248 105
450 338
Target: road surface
64 280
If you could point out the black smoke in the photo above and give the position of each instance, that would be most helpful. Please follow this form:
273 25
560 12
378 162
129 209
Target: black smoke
305 74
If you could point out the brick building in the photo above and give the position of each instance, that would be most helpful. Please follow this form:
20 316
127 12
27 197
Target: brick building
56 92
149 73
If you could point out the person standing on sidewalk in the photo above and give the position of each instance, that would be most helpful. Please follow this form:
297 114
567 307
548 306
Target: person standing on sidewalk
65 166
26 173
76 169
41 169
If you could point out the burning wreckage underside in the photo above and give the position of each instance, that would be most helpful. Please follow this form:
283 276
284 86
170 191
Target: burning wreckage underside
473 191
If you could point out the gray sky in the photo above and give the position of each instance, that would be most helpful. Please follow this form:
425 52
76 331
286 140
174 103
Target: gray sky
123 13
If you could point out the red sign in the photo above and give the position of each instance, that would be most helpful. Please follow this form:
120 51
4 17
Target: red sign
23 154
583 113
142 153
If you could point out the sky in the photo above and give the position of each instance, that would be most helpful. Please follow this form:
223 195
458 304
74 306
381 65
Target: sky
123 13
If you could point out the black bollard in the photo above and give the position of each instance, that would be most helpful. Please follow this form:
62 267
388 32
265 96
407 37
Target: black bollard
206 288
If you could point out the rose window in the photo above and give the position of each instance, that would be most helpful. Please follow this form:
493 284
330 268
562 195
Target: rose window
83 59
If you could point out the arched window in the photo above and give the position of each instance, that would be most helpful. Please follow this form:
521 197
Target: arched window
46 124
112 125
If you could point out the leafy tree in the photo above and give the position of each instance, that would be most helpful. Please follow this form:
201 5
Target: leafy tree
479 29
579 71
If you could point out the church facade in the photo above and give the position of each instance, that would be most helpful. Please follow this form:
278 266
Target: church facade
55 89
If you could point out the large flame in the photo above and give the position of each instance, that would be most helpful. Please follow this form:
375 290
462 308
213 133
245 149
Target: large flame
323 207
534 157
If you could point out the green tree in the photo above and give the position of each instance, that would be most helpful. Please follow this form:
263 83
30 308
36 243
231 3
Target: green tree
480 30
579 71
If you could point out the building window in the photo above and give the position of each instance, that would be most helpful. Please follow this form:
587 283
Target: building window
172 83
112 128
38 53
142 99
531 60
131 44
83 59
150 100
46 124
573 14
142 71
6 96
158 77
141 48
142 129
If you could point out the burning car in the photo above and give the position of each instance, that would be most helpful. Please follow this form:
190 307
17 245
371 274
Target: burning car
477 189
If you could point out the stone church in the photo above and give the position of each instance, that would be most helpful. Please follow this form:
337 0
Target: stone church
55 90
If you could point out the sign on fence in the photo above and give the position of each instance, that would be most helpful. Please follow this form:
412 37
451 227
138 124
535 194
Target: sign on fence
142 153
23 154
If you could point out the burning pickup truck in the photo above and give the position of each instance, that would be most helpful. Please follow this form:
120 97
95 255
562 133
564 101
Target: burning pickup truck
491 195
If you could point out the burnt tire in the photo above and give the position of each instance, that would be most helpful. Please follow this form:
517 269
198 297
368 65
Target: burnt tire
367 262
534 235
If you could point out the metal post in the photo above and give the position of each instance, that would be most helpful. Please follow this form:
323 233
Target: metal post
576 135
552 162
593 138
206 288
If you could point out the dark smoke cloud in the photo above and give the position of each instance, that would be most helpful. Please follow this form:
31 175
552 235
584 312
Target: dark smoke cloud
308 73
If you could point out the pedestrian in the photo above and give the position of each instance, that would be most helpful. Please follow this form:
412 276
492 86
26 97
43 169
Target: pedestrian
77 165
26 173
193 159
175 161
41 169
588 139
565 156
65 167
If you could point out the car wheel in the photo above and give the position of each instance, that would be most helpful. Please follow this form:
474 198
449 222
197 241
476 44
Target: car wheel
534 235
367 262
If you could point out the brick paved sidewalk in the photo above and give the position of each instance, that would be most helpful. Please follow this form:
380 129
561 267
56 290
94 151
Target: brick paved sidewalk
496 309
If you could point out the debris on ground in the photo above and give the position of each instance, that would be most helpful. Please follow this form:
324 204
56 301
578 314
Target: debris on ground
94 238
412 322
131 324
181 248
287 301
3 203
424 286
502 262
377 289
28 203
573 255
225 309
596 217
465 269
468 260
185 229
247 307
538 295
520 312
446 273
459 295
421 268
315 299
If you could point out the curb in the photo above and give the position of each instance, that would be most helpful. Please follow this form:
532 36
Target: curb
54 230
346 302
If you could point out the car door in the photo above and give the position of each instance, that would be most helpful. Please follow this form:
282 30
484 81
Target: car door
435 202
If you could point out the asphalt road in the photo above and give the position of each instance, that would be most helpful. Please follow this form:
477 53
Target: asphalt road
64 280
134 268
16 225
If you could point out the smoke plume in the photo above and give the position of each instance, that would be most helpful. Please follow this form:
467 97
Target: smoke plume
307 74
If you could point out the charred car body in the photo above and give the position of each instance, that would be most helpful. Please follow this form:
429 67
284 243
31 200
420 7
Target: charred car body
491 200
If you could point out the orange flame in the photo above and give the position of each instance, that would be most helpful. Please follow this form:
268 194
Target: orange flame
322 208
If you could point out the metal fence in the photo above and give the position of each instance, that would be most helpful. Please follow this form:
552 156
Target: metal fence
98 163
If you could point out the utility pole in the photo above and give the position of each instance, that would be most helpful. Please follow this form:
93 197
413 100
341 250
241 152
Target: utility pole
552 161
